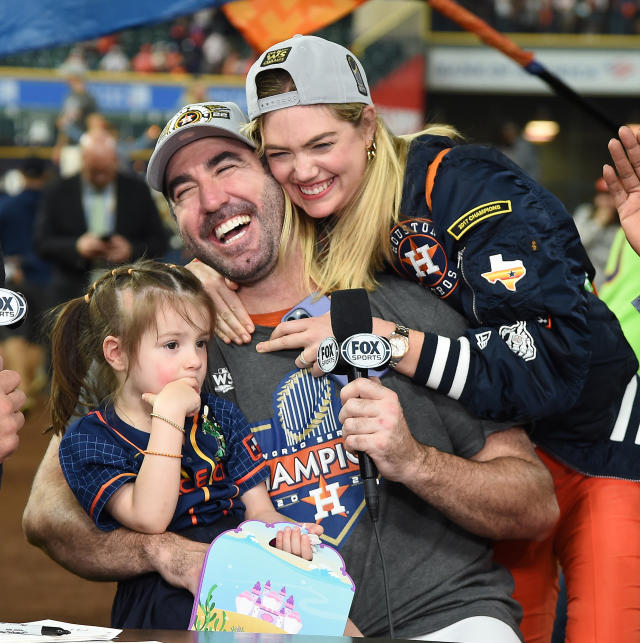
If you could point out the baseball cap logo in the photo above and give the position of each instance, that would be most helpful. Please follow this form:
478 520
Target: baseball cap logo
275 57
355 70
187 118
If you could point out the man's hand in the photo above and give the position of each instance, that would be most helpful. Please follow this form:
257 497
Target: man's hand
625 185
118 249
233 323
89 246
12 399
178 560
503 491
373 422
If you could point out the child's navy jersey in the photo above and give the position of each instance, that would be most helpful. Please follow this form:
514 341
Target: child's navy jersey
221 460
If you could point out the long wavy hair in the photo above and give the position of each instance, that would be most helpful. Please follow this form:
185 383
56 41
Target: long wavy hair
348 248
81 374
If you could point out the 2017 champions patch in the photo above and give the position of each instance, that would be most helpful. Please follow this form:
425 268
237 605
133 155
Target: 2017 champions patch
419 256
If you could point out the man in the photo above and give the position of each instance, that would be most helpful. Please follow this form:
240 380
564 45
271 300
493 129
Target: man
97 218
449 482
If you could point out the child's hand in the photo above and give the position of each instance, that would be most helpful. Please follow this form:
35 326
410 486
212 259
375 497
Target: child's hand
180 398
293 541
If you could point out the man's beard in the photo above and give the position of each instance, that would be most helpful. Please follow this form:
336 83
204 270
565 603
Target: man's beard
240 269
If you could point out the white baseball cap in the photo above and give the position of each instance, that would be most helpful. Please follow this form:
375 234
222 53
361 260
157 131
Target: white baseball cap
194 121
323 72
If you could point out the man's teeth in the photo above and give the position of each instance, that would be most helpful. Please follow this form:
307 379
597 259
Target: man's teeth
231 224
316 189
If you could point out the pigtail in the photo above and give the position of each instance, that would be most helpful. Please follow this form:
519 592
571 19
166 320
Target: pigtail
70 360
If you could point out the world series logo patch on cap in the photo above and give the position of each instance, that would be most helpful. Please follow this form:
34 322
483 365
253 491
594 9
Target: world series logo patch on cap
355 70
193 114
275 57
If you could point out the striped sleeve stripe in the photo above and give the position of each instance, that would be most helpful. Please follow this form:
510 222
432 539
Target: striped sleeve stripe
443 364
462 369
104 487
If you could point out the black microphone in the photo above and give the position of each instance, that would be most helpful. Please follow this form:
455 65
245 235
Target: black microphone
358 349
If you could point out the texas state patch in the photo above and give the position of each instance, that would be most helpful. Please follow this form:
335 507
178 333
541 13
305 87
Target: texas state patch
417 255
312 477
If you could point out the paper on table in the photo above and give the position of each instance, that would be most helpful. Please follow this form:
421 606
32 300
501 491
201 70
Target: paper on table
83 633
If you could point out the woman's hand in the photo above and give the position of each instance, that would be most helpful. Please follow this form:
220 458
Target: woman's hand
233 323
305 334
625 185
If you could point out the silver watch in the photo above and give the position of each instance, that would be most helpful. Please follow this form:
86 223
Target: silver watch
399 340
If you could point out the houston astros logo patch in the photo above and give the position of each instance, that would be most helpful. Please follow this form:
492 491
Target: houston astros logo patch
419 256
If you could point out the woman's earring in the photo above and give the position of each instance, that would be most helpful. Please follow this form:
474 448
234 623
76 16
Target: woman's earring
371 150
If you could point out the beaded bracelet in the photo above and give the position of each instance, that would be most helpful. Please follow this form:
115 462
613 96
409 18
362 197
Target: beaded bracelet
166 455
167 420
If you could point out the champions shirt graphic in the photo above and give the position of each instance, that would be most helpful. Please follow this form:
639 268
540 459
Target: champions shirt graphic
312 477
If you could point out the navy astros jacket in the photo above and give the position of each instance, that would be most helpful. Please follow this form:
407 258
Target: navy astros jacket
504 252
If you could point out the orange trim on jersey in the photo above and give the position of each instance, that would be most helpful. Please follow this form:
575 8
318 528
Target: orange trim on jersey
431 175
104 486
135 446
194 518
252 472
269 319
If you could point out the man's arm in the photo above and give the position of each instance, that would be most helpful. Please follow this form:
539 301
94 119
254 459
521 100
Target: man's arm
54 521
504 491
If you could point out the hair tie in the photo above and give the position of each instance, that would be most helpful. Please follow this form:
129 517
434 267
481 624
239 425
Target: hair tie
86 297
113 272
130 272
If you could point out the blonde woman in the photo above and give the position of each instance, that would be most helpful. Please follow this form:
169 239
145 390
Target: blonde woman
473 227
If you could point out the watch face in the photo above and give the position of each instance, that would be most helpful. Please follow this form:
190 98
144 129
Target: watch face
399 346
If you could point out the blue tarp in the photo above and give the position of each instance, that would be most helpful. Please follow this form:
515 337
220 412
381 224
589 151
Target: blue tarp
36 24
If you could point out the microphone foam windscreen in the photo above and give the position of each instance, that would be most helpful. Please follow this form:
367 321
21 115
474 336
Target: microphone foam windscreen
350 313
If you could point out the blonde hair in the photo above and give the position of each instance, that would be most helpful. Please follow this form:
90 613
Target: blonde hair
80 326
345 251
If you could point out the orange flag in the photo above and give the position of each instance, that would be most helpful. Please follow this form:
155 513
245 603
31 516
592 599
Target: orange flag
265 22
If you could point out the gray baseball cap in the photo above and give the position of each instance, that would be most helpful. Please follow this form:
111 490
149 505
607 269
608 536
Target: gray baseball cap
198 120
323 71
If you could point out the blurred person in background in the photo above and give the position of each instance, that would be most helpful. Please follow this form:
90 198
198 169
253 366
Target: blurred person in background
97 122
512 144
621 288
22 348
76 107
97 218
597 224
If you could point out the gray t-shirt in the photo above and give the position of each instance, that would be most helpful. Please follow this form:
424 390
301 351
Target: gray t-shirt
438 573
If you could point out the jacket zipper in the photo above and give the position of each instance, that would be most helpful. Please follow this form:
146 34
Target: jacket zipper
466 281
